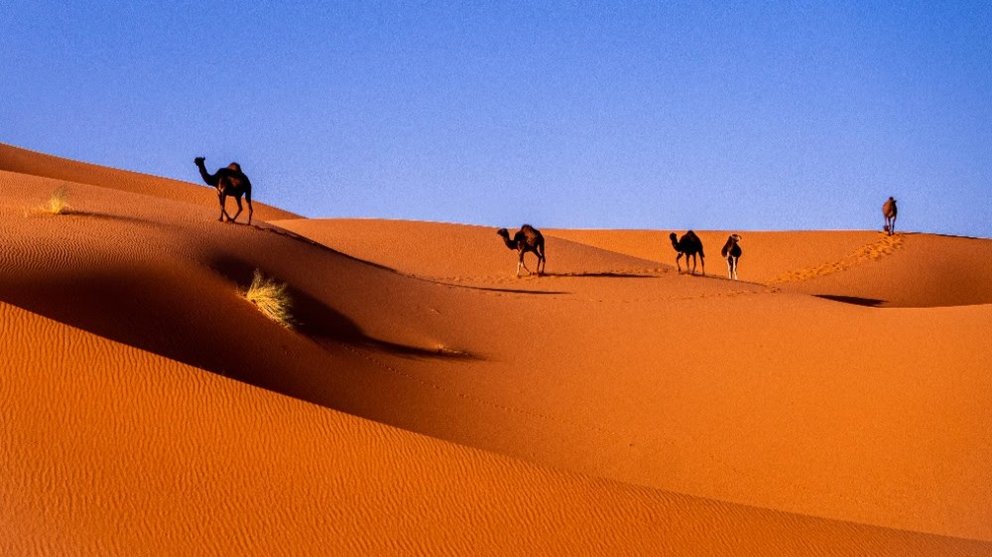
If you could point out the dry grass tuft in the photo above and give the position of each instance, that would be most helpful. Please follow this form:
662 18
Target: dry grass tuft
271 298
57 204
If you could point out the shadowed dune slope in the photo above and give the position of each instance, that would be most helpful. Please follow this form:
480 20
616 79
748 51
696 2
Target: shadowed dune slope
611 369
23 161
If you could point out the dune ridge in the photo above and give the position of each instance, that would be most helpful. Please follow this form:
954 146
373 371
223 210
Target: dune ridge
22 161
610 404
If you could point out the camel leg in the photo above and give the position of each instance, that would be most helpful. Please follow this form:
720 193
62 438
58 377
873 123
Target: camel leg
892 227
679 267
250 209
223 199
238 200
524 263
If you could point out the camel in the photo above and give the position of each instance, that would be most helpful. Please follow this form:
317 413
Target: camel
889 211
228 181
688 245
526 239
732 251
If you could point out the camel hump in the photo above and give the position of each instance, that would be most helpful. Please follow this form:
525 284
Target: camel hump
234 166
530 232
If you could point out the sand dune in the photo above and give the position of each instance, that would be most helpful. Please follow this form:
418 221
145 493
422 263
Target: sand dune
114 450
22 161
905 270
458 253
428 401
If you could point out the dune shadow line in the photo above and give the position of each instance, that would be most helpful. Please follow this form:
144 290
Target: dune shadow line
319 322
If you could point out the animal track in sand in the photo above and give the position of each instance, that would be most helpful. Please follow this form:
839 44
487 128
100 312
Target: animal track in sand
874 251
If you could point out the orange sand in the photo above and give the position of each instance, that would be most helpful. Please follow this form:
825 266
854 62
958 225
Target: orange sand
429 402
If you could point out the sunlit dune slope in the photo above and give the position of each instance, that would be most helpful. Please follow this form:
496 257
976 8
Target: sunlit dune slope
112 450
613 368
23 161
868 268
458 253
732 390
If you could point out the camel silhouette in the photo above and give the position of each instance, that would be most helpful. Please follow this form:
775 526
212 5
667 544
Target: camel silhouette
732 251
228 181
526 239
688 245
889 211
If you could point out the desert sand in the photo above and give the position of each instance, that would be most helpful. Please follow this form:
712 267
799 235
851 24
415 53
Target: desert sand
834 401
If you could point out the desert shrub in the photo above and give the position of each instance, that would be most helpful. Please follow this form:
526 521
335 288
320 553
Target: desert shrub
57 204
271 298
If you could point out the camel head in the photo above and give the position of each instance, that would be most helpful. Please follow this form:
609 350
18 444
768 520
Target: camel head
735 237
505 234
198 161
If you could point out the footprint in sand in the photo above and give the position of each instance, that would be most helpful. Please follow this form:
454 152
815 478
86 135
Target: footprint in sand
868 252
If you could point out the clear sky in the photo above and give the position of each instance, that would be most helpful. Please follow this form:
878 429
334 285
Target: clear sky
671 115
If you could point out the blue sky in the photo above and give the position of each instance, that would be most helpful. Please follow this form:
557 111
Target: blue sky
671 115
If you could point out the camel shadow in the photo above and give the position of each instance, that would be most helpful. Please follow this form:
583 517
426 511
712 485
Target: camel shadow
853 300
507 290
603 274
